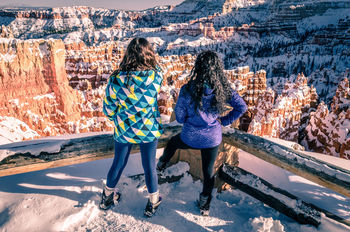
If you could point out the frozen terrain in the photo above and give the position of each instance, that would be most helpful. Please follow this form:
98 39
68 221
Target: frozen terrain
66 199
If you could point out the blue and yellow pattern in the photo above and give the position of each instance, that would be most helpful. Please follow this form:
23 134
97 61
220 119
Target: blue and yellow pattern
131 102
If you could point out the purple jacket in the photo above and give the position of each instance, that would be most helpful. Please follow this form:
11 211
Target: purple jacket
202 129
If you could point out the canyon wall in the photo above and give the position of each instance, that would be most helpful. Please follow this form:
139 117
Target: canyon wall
328 129
289 60
34 88
61 87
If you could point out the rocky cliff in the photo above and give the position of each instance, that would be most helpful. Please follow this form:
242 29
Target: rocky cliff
328 129
35 89
284 57
283 115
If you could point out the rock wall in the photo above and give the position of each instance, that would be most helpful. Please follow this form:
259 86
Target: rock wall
89 67
34 87
5 32
53 87
328 129
283 116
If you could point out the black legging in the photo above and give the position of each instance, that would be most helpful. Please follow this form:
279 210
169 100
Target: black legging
208 158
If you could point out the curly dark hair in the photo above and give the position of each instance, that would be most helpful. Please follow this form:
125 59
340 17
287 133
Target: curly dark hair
139 56
209 70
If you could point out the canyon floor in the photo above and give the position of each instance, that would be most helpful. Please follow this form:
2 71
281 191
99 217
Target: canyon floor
67 198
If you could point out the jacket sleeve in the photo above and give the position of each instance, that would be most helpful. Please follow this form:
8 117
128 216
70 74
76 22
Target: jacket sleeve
239 108
110 101
180 108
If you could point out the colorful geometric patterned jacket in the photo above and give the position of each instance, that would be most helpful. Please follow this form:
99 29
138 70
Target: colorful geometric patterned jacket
132 104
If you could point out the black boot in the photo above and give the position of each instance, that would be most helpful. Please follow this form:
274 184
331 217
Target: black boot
151 209
203 204
109 201
161 165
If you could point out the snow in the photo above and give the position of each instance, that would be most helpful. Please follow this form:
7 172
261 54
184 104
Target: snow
157 41
339 162
7 57
267 224
312 164
46 144
331 16
306 190
246 3
14 130
14 101
49 95
66 199
187 7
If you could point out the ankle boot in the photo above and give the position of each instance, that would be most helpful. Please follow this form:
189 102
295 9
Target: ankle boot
152 204
109 198
203 204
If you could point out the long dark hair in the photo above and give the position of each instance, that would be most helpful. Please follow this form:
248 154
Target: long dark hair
209 70
139 56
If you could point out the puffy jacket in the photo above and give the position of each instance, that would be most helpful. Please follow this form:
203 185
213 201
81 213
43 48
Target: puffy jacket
201 129
132 104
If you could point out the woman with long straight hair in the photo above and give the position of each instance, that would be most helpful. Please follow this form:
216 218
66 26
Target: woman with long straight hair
200 103
131 103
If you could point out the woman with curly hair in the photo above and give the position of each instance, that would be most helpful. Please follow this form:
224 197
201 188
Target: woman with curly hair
200 103
131 103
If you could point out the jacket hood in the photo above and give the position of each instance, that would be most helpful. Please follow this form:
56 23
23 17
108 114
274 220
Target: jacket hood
202 117
145 77
207 91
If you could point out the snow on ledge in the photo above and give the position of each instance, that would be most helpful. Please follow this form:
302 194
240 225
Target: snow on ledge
336 161
47 144
281 151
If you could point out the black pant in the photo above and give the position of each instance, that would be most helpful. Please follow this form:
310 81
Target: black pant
208 158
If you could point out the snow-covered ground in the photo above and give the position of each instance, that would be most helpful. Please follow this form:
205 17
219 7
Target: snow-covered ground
66 199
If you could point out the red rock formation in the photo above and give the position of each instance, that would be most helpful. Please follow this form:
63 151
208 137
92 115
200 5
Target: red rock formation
5 32
240 77
328 131
61 87
176 72
93 64
262 123
35 88
341 100
295 99
55 75
250 85
205 28
283 117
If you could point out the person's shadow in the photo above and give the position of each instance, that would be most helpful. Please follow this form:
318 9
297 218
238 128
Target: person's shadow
75 182
83 182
